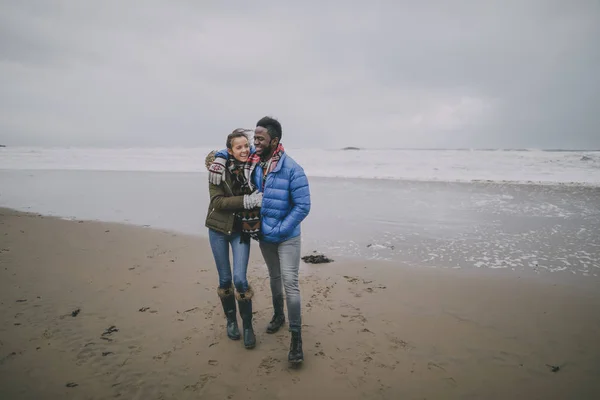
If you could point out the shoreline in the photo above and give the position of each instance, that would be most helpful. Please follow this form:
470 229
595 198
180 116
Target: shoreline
566 277
369 331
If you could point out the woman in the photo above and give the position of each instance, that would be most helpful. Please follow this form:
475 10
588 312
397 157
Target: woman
233 219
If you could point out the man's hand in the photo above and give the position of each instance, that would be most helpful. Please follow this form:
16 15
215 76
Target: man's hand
216 171
253 200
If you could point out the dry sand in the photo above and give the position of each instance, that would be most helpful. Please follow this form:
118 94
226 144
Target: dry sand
371 330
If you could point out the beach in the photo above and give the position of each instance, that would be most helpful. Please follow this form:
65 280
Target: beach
96 310
450 279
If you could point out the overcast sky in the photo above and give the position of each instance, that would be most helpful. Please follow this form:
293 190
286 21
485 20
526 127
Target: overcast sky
448 73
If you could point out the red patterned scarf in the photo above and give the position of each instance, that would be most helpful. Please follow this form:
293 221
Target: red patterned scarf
269 165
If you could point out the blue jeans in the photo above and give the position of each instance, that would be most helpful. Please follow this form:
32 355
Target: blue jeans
220 242
283 262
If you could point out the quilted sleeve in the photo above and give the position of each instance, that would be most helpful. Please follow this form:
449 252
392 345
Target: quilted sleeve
220 201
300 195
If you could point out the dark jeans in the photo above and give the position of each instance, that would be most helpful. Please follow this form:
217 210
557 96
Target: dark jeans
220 243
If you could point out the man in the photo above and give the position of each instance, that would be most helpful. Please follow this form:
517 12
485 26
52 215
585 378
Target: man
285 204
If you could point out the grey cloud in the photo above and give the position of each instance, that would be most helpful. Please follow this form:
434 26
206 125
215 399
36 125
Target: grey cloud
399 74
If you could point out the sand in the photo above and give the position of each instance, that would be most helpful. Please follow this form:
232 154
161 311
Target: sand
371 330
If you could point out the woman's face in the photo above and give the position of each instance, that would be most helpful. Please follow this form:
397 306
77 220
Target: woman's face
240 149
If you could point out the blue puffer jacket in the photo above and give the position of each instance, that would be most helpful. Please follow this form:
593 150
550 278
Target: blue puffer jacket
286 199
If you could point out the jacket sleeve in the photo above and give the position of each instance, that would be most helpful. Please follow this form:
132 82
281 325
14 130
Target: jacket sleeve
219 201
300 195
222 153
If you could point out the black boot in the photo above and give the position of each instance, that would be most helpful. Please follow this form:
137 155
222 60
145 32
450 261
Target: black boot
296 355
245 305
278 316
227 297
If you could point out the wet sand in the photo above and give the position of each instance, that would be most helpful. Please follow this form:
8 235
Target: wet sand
150 325
520 227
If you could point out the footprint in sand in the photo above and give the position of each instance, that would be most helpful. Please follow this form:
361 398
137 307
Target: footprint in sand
350 306
134 350
267 365
370 289
399 343
436 368
355 318
85 355
202 381
333 326
8 357
163 356
340 367
210 312
386 366
374 288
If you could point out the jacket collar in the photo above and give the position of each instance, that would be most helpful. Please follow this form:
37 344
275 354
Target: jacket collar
280 162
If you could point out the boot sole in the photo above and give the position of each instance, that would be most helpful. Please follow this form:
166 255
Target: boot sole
275 330
296 362
234 337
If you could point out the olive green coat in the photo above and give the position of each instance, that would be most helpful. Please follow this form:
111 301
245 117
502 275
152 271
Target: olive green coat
223 205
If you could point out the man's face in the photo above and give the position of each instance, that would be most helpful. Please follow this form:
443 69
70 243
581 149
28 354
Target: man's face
262 141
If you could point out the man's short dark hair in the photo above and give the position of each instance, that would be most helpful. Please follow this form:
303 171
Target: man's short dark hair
272 126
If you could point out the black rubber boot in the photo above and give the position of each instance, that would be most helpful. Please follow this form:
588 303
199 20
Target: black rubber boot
245 305
227 297
278 316
296 355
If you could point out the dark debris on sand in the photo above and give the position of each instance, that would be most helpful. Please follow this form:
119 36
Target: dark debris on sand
110 330
75 312
317 259
553 368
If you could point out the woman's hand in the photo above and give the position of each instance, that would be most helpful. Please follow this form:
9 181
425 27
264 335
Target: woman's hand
216 170
253 200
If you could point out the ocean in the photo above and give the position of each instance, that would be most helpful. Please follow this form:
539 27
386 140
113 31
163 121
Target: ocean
525 210
518 166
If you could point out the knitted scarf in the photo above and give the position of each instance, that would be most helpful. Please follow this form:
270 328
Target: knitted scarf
240 180
269 165
249 219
